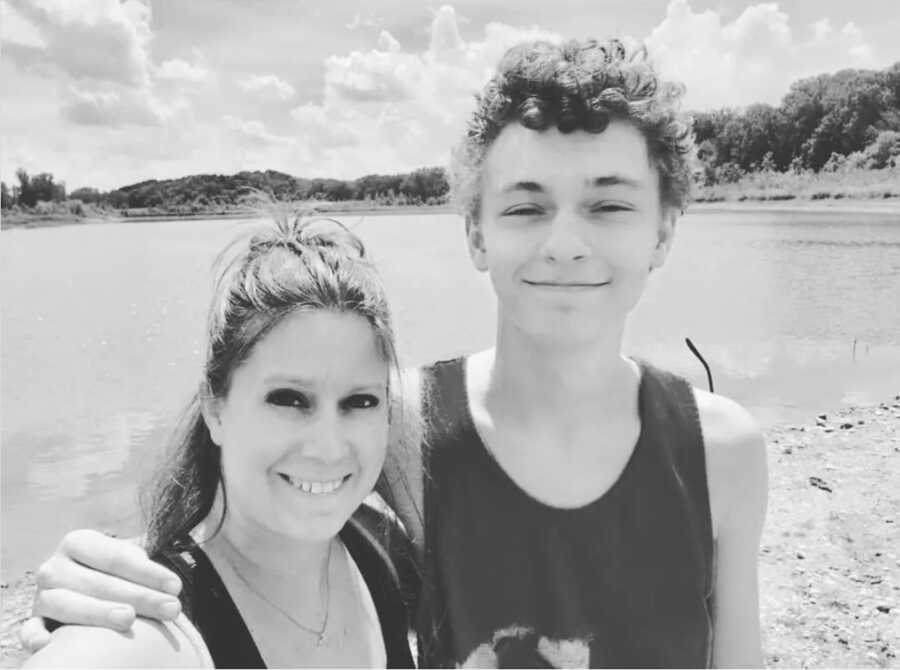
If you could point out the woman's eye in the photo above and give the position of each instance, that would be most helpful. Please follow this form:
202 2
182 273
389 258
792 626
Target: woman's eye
360 401
288 398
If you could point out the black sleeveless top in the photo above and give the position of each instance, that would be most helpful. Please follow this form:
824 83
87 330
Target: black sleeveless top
207 604
625 581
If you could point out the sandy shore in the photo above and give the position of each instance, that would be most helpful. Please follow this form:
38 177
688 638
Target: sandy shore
830 556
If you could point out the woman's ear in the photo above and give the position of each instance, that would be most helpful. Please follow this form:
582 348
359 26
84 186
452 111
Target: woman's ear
475 239
211 409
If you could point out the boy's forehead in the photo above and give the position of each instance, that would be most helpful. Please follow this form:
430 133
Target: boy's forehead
521 155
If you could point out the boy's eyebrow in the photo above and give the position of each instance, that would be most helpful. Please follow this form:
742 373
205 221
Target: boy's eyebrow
530 186
615 180
606 180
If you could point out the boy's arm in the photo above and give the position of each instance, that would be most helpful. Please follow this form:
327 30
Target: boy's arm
738 486
96 580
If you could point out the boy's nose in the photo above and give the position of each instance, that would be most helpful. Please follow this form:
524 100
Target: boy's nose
565 241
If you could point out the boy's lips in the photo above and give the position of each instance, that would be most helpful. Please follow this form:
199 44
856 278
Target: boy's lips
566 284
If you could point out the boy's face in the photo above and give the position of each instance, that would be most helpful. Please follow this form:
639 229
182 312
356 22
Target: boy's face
571 226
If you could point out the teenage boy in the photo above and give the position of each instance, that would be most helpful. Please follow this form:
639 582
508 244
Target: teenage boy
579 508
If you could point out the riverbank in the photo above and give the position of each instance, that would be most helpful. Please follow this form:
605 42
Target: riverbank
882 205
857 185
28 220
830 554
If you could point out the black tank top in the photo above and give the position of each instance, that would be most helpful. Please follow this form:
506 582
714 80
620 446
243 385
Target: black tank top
624 581
207 604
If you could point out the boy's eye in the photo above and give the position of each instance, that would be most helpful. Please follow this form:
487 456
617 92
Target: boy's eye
523 210
288 398
611 207
360 401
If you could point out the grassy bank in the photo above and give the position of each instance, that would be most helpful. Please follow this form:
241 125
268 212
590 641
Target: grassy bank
856 184
60 216
830 555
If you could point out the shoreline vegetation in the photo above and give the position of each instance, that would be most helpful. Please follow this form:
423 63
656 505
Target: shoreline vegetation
834 137
829 558
854 189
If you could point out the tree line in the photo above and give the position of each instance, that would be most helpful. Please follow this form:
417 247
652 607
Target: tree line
850 118
425 186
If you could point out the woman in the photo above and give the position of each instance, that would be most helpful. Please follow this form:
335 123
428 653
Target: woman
259 511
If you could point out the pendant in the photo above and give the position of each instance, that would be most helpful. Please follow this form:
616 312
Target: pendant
323 639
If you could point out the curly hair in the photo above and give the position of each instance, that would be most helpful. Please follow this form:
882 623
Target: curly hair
577 86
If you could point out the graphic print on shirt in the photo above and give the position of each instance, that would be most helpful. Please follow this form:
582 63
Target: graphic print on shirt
520 647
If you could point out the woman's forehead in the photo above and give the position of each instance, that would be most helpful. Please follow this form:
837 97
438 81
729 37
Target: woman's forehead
320 347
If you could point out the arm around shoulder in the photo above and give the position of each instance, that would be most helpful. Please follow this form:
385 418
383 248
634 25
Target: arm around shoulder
738 486
149 644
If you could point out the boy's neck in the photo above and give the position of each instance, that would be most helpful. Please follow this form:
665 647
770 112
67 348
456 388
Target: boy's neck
559 376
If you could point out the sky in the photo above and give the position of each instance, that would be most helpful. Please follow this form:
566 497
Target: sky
105 93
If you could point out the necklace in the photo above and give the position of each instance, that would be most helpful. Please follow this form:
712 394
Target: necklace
321 636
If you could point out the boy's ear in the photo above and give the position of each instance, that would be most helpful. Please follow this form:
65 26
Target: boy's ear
211 409
666 235
475 240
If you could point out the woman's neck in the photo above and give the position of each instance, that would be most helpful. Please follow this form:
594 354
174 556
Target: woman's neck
267 560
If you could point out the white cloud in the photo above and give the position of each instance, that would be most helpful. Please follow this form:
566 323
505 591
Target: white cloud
99 40
117 107
754 58
254 131
269 86
395 109
368 21
16 29
99 52
179 70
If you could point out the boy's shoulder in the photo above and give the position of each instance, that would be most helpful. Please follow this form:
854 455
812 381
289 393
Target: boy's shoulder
727 426
735 461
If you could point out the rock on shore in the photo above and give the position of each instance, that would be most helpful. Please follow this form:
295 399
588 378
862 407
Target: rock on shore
830 555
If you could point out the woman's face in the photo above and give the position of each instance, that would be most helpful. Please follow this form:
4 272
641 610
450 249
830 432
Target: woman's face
304 426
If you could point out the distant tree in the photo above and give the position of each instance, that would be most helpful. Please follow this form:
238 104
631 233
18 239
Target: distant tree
884 151
27 196
86 195
6 200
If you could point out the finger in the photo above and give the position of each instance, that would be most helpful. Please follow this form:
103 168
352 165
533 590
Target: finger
33 634
77 608
119 558
66 576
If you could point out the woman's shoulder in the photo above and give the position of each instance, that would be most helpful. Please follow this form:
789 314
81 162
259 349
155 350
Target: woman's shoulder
149 643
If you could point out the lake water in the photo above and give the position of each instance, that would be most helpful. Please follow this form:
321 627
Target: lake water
102 331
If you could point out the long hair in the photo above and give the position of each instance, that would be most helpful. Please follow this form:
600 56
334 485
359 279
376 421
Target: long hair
296 262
